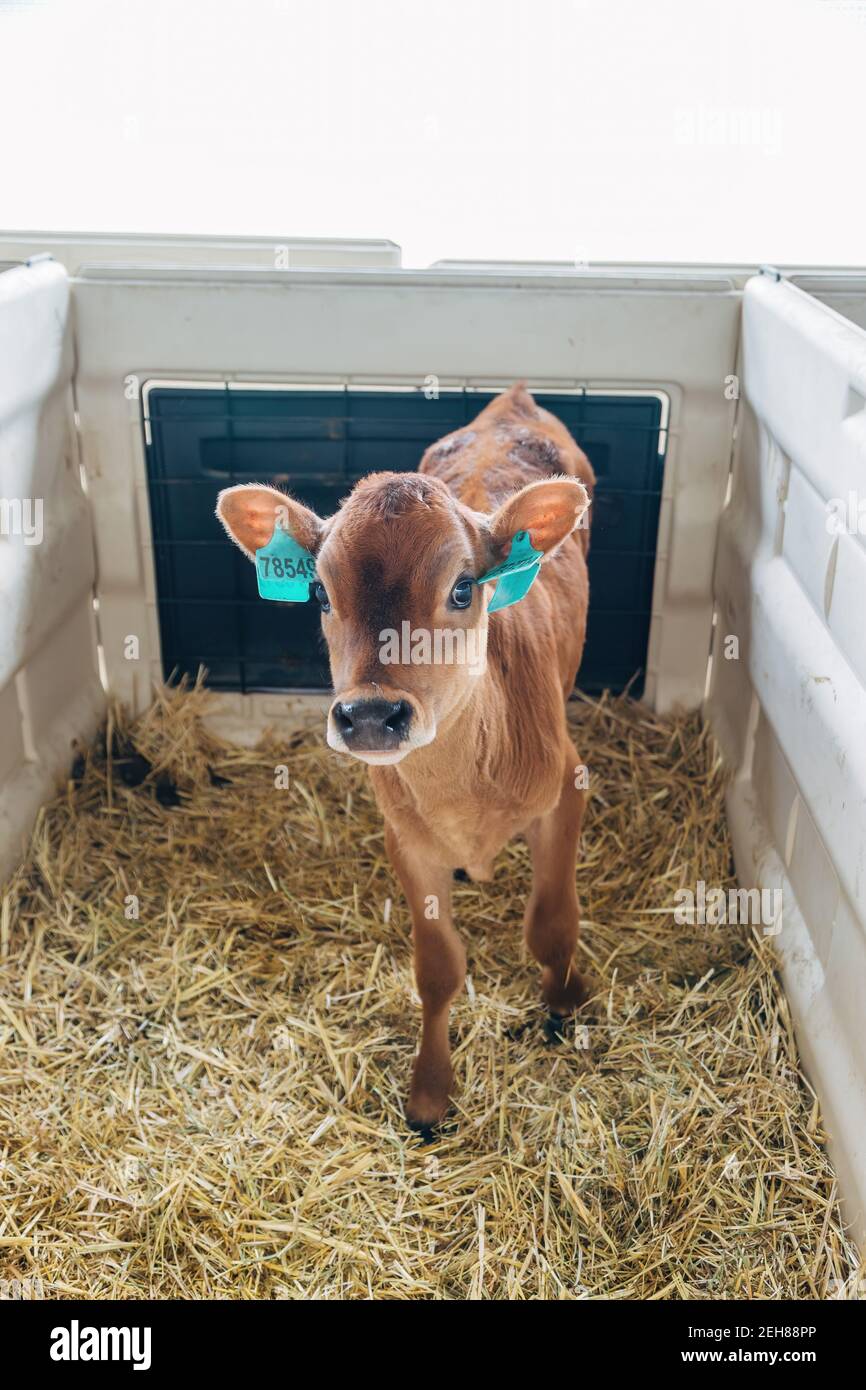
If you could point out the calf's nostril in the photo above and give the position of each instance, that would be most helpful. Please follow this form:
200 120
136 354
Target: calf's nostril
343 718
398 721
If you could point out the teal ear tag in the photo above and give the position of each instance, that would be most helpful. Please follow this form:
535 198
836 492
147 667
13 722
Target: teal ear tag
284 569
515 575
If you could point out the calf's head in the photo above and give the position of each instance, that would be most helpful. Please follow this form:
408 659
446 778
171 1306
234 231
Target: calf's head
404 620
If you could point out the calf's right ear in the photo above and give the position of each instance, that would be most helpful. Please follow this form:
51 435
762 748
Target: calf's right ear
250 513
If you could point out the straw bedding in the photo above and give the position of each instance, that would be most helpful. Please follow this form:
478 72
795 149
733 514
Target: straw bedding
205 1100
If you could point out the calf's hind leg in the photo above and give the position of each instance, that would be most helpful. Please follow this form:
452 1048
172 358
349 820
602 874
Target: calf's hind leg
552 915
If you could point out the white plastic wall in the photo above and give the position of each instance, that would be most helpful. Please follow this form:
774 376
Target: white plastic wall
843 291
76 250
790 707
50 693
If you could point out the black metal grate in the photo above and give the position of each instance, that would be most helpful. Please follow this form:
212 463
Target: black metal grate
319 443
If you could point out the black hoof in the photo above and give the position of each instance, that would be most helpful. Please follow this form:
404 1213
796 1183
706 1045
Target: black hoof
554 1029
461 876
426 1133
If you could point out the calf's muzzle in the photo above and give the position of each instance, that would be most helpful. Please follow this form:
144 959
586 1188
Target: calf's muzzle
372 726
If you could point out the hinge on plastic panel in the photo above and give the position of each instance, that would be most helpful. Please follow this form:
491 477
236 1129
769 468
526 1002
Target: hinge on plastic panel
771 271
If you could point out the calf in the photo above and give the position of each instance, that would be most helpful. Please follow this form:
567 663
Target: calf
463 755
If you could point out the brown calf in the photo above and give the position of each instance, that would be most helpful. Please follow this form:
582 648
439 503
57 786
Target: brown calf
465 755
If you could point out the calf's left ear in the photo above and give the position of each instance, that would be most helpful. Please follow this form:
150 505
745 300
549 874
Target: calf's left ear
549 510
250 512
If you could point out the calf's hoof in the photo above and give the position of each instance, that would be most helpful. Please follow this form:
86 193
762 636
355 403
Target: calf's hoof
429 1095
425 1112
562 999
554 1029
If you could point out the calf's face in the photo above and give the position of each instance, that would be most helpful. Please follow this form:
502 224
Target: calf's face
403 618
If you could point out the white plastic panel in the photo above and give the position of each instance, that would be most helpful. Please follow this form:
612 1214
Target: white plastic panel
844 291
672 332
75 250
845 617
50 692
791 711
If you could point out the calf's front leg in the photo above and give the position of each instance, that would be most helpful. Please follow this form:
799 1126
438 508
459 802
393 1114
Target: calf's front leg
553 912
440 970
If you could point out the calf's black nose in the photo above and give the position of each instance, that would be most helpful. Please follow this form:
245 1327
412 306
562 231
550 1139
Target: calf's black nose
373 725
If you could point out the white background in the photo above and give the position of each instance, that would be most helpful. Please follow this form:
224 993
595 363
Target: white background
578 130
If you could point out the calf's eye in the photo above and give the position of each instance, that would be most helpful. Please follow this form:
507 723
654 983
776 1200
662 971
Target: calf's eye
461 594
320 594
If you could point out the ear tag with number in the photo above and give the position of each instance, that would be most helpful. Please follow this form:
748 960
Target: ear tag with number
515 575
284 569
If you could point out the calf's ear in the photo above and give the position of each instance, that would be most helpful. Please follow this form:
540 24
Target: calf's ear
250 512
549 510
